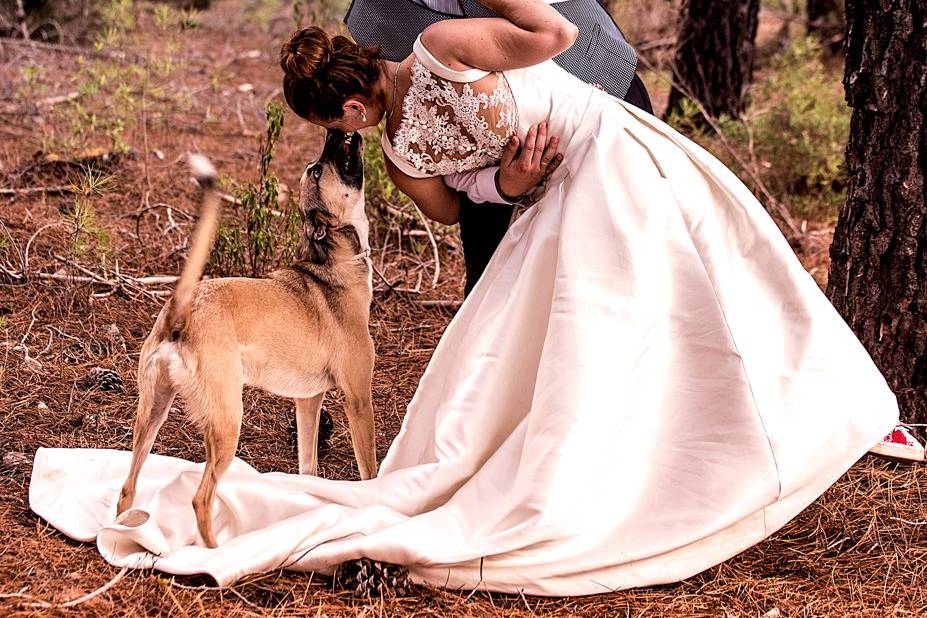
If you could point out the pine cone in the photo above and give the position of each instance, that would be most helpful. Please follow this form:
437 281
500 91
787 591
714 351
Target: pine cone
370 578
326 429
103 379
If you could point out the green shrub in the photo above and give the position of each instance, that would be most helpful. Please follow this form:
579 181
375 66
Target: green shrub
270 236
379 190
793 134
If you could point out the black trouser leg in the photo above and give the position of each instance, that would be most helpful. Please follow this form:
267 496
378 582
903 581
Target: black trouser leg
482 226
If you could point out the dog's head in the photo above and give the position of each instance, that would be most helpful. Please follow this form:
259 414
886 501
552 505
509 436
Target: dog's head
331 195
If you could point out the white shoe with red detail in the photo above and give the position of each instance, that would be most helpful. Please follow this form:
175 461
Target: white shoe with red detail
900 444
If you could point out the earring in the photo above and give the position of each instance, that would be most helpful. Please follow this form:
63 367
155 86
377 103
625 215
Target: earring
364 116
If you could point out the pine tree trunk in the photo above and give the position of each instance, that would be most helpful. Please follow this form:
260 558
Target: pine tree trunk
878 272
714 54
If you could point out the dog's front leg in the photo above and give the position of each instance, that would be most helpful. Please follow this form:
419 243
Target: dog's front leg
360 421
307 433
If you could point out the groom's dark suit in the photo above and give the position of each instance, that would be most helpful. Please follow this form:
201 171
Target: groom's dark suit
600 56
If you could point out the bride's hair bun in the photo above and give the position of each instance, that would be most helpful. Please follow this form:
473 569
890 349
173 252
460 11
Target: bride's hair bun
306 54
320 72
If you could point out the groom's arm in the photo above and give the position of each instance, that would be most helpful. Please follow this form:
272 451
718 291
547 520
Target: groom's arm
479 185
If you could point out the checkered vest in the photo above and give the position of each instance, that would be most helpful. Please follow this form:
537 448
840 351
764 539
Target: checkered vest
600 55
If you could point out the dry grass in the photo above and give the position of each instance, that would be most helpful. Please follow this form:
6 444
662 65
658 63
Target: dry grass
858 551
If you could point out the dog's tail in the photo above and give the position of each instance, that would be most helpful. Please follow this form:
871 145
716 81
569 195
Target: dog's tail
204 234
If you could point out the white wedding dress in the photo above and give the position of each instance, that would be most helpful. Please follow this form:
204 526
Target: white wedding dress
644 383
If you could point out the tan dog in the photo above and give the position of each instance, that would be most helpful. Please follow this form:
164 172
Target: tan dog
297 333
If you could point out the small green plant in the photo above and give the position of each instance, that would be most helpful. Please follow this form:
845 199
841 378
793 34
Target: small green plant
93 181
322 12
189 19
260 12
164 17
228 252
88 237
116 17
32 75
270 236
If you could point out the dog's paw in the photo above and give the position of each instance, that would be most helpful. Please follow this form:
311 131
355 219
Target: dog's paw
370 578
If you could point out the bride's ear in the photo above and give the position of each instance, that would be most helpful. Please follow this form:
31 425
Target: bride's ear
354 108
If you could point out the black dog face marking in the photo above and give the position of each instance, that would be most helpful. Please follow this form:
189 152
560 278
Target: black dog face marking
331 197
345 154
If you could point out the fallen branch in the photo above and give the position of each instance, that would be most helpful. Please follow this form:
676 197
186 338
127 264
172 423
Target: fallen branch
434 248
230 199
30 190
439 303
84 598
74 49
92 277
60 98
141 281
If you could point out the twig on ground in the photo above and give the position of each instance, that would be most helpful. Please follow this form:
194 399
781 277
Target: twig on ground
60 98
434 248
908 521
73 49
439 303
230 199
30 190
47 226
82 599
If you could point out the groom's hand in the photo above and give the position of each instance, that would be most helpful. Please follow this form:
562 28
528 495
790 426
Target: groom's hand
524 166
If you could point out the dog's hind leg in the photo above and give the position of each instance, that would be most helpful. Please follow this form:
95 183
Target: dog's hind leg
356 381
221 427
307 433
155 395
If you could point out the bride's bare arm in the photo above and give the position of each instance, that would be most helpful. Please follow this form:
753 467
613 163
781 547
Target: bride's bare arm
529 32
434 198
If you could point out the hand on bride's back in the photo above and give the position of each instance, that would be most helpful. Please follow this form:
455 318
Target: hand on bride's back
524 166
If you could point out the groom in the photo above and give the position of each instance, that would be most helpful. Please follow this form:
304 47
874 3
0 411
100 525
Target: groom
599 56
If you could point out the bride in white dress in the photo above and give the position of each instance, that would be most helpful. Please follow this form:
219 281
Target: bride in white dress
644 382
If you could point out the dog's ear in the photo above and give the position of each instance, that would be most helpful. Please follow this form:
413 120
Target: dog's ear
316 244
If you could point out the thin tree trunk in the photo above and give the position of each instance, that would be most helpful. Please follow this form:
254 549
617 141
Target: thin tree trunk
714 54
825 20
878 272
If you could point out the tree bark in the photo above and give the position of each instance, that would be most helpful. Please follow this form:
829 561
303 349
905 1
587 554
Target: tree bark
878 271
714 54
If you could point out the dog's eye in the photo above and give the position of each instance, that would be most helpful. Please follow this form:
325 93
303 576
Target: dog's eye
317 172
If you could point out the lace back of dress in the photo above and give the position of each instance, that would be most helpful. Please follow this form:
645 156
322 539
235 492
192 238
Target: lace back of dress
450 127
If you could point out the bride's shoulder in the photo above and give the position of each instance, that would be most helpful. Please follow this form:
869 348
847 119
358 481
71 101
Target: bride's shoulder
442 62
434 41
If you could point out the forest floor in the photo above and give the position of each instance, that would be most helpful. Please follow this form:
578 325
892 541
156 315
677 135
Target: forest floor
73 245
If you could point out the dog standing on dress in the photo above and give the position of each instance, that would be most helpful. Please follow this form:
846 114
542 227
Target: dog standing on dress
297 333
